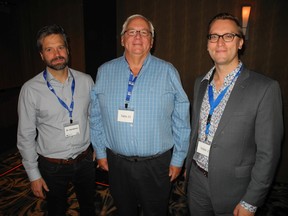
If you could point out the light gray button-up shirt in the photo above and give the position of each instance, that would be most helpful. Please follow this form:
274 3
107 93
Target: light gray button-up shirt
42 119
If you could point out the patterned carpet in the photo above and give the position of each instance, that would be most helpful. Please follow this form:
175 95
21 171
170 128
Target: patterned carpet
16 197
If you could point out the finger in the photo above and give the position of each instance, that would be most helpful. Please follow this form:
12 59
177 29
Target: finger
41 195
38 194
45 187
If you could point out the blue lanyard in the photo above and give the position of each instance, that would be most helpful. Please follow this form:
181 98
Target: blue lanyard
131 83
214 103
70 109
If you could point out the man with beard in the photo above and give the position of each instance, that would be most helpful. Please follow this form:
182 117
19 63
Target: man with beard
53 128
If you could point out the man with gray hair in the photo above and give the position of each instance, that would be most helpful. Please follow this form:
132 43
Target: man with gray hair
139 123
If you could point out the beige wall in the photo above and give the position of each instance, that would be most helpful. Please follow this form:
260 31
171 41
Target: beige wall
181 39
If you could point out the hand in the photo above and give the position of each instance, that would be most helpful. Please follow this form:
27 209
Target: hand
103 164
37 187
174 172
240 211
94 155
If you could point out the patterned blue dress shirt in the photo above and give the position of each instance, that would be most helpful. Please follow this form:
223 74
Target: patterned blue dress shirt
160 105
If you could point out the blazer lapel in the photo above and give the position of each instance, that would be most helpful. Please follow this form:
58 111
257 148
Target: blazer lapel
202 90
232 104
196 113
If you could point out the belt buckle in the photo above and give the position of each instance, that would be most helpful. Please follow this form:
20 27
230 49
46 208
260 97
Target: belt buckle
68 161
204 172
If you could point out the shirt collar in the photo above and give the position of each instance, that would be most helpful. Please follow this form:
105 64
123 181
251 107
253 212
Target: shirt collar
50 77
146 61
228 77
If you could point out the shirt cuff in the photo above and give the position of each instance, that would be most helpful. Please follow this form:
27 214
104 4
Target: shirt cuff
33 174
100 153
248 207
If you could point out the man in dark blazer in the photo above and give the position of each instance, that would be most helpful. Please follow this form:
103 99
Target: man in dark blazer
237 129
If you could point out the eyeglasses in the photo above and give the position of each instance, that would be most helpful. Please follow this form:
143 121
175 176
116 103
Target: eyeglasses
228 37
133 32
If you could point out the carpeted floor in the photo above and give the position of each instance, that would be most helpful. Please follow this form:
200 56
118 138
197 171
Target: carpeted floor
16 197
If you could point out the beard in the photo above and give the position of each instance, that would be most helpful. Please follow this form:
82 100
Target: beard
57 66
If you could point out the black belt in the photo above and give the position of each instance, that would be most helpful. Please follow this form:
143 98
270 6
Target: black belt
204 172
68 161
135 158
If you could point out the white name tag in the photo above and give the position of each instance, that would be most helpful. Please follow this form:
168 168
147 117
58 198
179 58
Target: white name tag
203 148
125 116
71 130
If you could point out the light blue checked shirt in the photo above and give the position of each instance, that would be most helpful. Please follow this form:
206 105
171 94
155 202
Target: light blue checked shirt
161 111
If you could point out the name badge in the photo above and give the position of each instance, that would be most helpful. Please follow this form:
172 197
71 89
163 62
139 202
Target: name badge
203 148
71 129
125 116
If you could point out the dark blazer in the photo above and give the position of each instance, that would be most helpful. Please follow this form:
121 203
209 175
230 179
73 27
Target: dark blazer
246 147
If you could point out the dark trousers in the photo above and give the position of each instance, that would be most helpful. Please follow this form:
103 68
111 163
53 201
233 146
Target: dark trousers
199 195
58 177
140 183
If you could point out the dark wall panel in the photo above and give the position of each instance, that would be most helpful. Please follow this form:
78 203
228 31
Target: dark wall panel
20 20
100 33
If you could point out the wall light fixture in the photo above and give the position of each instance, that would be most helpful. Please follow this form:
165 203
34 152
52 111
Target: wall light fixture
245 19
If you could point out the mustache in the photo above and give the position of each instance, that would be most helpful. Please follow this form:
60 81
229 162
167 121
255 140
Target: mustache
57 58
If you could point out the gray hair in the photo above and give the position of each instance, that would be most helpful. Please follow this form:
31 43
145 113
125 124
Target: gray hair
128 20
